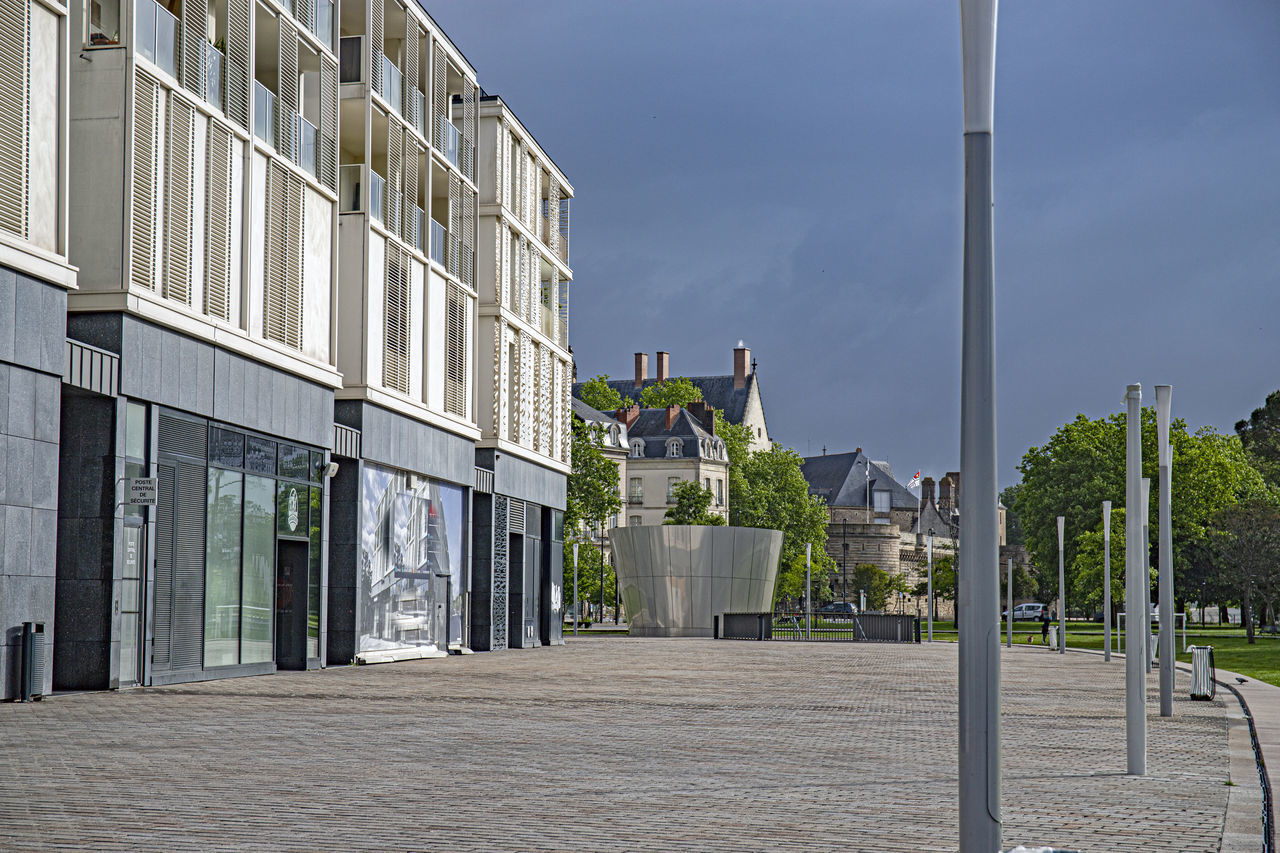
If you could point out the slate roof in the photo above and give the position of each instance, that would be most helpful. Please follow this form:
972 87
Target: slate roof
590 415
841 479
651 425
717 391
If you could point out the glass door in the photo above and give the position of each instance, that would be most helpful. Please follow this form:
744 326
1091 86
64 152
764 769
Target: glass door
131 621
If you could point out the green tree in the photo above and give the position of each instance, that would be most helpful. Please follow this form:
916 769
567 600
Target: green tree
1013 535
677 391
1083 463
874 581
1248 542
597 393
1088 567
772 493
1260 435
590 570
691 506
592 491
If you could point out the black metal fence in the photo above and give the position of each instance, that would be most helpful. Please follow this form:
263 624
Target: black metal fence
848 628
744 626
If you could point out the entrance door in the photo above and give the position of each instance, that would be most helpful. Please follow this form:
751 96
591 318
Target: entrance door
132 624
291 605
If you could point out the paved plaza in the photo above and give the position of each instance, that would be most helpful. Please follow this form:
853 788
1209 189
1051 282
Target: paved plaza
608 744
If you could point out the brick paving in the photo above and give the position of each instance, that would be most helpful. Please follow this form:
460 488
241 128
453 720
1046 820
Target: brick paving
607 744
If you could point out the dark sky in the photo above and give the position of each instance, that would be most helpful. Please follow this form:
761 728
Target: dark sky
790 174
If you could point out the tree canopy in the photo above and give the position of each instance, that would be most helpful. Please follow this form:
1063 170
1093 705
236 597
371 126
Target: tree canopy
1247 538
692 506
677 391
1260 435
597 393
1083 463
592 491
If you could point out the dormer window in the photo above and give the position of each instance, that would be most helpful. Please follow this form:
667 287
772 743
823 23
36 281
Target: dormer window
675 448
613 436
637 448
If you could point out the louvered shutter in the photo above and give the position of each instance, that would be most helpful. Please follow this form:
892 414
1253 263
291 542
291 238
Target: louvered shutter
287 103
178 200
395 321
217 290
411 68
195 27
146 197
457 330
293 262
470 110
439 95
283 289
410 165
393 197
328 122
376 43
236 70
304 11
15 114
468 236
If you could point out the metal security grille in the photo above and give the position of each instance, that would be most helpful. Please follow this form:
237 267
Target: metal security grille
181 437
457 329
395 321
498 594
145 201
15 33
239 51
515 515
178 199
217 291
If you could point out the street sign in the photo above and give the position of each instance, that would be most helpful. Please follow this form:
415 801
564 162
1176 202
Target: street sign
141 491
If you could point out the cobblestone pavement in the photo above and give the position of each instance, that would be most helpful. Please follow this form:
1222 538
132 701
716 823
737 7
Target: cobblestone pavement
607 744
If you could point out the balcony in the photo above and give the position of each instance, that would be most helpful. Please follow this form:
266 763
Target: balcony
419 103
418 219
213 75
156 35
437 242
304 143
392 87
350 188
452 138
264 114
377 187
322 21
636 498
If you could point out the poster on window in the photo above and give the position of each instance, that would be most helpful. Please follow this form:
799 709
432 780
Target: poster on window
411 562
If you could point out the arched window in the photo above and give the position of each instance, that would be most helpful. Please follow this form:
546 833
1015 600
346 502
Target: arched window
637 448
675 448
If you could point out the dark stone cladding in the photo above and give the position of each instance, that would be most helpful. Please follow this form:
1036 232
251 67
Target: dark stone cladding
32 341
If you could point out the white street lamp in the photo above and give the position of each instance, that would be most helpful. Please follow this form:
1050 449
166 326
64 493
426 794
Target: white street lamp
1146 573
979 626
1106 577
1062 594
1164 399
929 603
1136 589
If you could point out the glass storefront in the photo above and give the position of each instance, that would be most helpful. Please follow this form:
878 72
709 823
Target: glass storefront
412 561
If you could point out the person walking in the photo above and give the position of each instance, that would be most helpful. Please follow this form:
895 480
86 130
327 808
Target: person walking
1044 626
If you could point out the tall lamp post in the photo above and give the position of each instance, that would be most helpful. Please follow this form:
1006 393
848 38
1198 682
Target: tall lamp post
577 604
929 602
979 625
844 574
1106 577
1146 573
1164 398
1062 594
1136 588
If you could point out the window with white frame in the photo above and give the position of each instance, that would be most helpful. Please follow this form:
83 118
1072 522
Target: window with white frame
672 482
634 521
675 448
881 498
719 492
635 490
637 448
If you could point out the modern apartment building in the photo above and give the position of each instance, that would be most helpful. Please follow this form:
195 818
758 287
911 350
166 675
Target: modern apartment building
523 279
35 278
204 174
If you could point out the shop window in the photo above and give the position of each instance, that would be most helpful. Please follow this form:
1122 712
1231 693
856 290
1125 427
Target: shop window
291 509
135 431
260 455
258 578
294 462
222 569
226 448
313 583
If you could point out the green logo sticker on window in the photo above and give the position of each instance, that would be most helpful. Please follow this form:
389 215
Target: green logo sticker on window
293 509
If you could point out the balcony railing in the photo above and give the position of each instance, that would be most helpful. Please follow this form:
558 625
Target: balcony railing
264 113
437 242
562 328
377 185
635 498
452 139
322 21
350 54
213 75
351 188
156 33
392 83
304 143
419 103
419 218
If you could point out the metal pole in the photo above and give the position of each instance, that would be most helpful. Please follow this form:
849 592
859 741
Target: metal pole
1164 398
1106 577
1009 599
1135 711
979 625
1062 594
1146 572
930 601
808 604
577 604
866 464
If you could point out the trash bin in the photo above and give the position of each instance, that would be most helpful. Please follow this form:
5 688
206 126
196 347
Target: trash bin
33 653
1053 636
1203 685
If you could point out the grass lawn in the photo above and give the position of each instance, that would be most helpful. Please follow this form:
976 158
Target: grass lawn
1231 649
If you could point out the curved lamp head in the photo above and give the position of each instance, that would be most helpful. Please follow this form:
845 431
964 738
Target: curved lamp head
1164 396
978 54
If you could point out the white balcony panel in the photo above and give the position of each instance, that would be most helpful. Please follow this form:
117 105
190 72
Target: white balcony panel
435 341
45 146
258 245
237 235
416 327
374 278
317 275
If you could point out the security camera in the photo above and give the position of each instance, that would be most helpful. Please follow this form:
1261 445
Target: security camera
329 469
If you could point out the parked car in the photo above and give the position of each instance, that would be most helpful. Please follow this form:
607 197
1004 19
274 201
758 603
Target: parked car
837 608
1024 612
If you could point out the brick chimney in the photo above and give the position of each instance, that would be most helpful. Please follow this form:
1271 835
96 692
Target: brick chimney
628 416
642 368
664 360
926 492
705 414
741 360
673 412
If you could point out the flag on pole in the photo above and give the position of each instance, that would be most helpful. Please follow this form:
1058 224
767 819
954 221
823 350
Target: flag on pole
915 481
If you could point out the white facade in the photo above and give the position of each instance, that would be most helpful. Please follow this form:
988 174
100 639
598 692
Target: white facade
33 124
524 276
407 291
203 152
